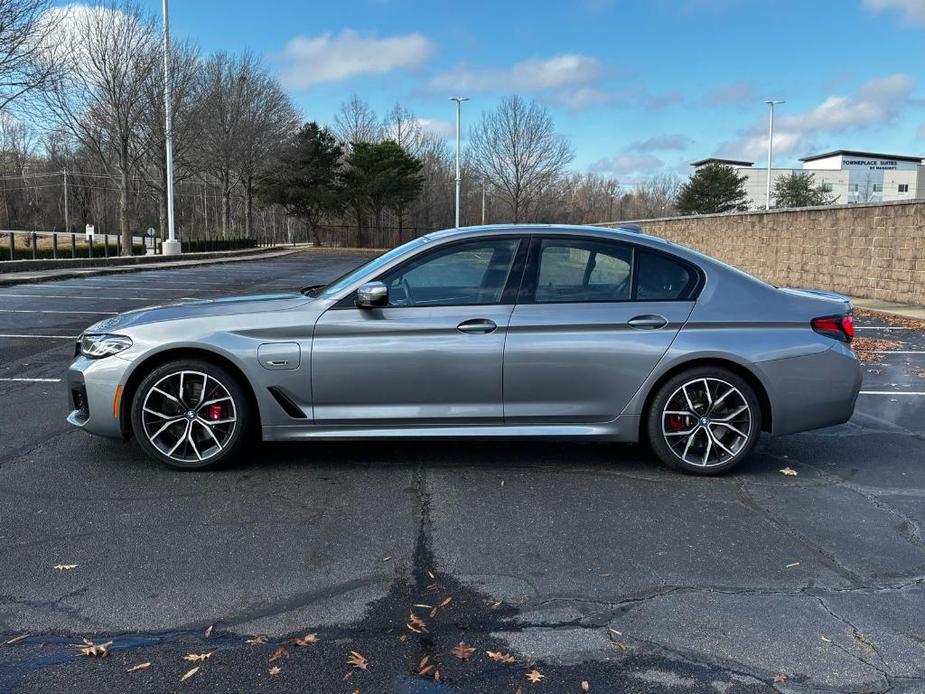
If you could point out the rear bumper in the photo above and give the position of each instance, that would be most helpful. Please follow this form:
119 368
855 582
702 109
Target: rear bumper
812 391
92 388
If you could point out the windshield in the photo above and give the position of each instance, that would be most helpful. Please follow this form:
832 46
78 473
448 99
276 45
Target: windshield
346 280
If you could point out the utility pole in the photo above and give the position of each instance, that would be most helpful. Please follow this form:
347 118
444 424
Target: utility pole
67 223
483 203
458 100
771 103
171 246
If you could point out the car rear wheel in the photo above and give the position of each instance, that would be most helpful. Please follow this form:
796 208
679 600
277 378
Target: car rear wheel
190 415
704 421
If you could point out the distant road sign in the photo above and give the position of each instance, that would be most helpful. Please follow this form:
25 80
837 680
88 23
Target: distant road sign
150 231
90 231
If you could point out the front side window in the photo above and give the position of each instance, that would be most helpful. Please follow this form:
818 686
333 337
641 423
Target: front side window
464 274
662 279
582 270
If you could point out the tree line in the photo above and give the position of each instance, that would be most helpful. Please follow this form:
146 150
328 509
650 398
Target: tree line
82 109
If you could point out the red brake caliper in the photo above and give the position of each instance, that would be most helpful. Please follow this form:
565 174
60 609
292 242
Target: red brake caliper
215 412
677 422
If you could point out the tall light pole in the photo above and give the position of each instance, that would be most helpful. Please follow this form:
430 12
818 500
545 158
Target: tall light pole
771 104
458 100
171 246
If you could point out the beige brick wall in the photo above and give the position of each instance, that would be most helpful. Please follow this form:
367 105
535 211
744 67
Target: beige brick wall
872 251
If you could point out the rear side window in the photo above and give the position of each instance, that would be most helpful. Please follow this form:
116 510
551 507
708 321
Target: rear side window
659 278
582 270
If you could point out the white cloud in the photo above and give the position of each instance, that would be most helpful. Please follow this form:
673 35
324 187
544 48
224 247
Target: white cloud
912 11
661 142
876 103
438 128
329 58
626 164
568 79
536 74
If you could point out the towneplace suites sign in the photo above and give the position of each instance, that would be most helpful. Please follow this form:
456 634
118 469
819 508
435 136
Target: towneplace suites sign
876 164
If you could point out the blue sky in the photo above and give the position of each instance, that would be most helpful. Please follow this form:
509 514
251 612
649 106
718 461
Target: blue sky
639 87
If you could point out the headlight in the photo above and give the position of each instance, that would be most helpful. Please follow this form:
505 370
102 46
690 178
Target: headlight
99 346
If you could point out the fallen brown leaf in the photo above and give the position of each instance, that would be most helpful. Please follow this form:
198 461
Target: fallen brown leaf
15 639
358 661
140 666
433 613
198 657
826 639
789 471
209 631
790 566
65 567
500 657
585 686
97 650
424 666
445 602
275 670
280 652
617 645
189 673
463 651
306 640
387 557
258 640
535 676
780 677
416 624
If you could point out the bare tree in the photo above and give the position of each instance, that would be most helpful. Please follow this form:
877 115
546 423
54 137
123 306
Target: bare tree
224 84
186 124
28 56
111 52
516 149
267 121
356 121
401 126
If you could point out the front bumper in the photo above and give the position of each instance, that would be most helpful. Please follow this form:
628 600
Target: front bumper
93 386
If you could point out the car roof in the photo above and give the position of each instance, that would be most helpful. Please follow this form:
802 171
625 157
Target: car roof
631 232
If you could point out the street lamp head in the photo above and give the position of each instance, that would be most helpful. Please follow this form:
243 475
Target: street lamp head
459 99
774 102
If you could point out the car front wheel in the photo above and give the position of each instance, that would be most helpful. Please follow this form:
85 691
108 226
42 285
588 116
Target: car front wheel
190 415
704 421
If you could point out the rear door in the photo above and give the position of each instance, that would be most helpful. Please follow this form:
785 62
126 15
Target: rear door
593 318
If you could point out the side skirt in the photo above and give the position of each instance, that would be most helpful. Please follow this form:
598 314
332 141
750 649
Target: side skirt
623 429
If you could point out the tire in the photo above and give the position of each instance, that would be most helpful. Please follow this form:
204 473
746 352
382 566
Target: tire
678 435
210 422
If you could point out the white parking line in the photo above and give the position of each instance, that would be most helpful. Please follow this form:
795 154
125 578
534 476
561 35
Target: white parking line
40 337
893 392
884 327
31 380
91 313
91 298
898 351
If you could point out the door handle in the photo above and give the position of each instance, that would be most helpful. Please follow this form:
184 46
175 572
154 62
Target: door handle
477 326
647 322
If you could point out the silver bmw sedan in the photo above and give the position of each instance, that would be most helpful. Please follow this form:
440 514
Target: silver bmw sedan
513 331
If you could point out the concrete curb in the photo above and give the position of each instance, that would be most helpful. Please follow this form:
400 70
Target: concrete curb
27 277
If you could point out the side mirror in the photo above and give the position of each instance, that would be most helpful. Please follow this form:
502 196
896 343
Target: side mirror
372 295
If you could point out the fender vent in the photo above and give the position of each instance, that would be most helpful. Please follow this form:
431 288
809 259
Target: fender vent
289 407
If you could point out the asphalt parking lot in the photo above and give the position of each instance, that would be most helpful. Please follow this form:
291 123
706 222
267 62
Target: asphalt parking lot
584 563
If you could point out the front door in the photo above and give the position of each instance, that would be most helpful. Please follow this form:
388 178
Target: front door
594 319
434 354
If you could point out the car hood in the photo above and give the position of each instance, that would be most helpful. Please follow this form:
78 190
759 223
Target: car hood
228 306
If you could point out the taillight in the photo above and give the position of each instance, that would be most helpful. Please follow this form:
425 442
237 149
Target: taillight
838 327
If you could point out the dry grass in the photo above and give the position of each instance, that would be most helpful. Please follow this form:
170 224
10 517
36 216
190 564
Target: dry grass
867 316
